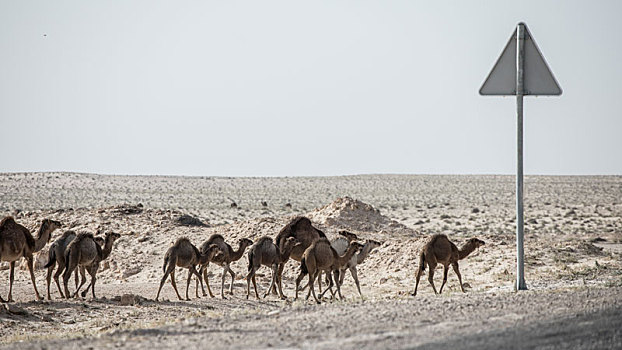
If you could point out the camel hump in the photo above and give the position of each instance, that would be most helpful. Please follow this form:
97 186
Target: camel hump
83 236
264 240
215 239
182 240
7 222
67 234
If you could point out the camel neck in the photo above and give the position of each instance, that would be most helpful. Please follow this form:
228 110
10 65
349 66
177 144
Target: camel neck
347 256
237 254
465 251
42 238
363 253
107 248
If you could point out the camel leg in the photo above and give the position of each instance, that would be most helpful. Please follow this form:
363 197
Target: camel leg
457 270
222 282
59 271
445 270
82 274
48 280
354 274
273 283
327 279
93 272
249 277
209 290
200 280
330 284
163 280
188 282
68 270
279 279
29 260
298 279
336 276
11 278
431 277
82 282
174 284
232 279
311 289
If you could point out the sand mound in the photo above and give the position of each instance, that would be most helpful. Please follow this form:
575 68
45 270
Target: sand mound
352 214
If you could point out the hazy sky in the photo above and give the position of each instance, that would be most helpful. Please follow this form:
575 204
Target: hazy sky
255 88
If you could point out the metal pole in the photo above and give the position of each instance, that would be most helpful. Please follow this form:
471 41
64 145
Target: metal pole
520 269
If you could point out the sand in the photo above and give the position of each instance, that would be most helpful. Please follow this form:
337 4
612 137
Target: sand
573 245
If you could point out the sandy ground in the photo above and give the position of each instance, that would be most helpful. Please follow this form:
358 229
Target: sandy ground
573 244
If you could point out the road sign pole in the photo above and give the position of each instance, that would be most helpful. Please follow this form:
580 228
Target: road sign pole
520 268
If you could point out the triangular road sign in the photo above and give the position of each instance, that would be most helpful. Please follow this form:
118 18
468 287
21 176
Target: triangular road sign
538 79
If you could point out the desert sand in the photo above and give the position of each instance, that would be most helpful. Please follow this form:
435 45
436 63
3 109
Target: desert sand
573 246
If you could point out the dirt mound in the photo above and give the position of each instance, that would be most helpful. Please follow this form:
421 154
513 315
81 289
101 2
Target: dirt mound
352 214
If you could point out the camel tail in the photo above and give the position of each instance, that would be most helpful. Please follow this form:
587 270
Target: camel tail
303 266
166 259
422 261
251 255
51 258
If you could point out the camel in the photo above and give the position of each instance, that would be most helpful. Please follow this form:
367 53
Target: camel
320 256
84 252
440 249
56 255
226 256
265 252
341 245
300 228
185 254
16 242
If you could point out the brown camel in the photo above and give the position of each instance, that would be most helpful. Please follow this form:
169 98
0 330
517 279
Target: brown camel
84 252
341 245
16 242
265 252
304 232
56 255
440 249
320 256
226 256
185 254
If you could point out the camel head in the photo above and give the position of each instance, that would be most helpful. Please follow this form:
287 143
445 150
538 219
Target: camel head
348 235
48 225
245 242
211 251
476 243
373 244
358 246
112 236
289 244
99 240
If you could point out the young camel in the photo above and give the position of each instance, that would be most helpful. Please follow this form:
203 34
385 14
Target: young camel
226 256
441 250
304 232
265 252
184 254
341 245
16 242
56 256
85 252
320 256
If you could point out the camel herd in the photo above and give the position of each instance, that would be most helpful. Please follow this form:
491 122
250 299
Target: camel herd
74 253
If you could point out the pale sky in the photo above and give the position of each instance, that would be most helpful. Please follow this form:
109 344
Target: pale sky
289 88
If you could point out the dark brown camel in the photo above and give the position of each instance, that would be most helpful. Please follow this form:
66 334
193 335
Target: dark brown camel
440 250
304 232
